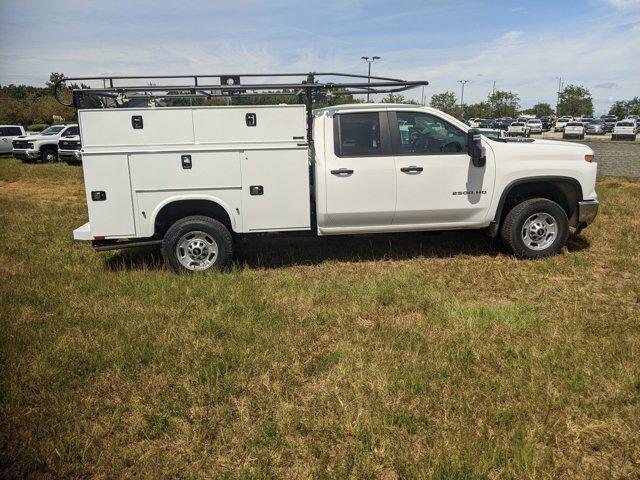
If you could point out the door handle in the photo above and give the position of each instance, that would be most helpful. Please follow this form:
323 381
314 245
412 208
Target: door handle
411 169
342 172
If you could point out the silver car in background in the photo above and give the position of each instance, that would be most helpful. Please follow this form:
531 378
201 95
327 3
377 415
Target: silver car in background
595 127
535 125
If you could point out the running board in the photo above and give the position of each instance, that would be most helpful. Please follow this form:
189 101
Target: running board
104 245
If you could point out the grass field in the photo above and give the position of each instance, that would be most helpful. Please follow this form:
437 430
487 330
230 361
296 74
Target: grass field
416 356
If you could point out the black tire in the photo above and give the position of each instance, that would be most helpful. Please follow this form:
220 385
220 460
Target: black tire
48 155
515 223
206 225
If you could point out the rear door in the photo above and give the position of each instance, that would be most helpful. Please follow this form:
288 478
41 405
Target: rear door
5 140
437 185
360 175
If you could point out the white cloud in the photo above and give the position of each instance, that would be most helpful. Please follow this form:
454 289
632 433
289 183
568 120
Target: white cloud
625 4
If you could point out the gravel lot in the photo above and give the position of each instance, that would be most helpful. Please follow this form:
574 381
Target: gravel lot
615 158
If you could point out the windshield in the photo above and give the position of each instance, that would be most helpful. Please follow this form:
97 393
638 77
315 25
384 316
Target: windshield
51 130
574 124
624 124
535 121
517 124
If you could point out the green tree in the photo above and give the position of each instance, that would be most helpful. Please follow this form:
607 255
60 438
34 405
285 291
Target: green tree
619 109
446 102
53 78
397 98
575 100
503 104
540 110
622 108
477 110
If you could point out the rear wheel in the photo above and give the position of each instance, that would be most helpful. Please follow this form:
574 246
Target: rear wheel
196 244
535 228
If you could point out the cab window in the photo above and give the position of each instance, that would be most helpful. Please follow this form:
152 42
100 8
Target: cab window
424 134
359 135
71 131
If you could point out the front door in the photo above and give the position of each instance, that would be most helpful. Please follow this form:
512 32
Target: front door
360 172
437 184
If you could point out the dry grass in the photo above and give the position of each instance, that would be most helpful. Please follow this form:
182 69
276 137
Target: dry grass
415 356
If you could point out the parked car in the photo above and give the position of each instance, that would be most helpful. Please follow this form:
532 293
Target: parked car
561 123
519 129
503 123
486 124
492 133
7 134
609 123
44 146
573 130
69 150
586 121
624 130
546 124
595 127
535 125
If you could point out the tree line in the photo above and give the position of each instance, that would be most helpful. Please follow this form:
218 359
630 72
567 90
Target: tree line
574 100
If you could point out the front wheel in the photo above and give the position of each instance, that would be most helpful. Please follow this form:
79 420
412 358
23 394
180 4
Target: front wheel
49 156
196 244
535 228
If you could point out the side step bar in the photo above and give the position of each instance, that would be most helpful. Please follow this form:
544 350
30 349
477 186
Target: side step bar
104 245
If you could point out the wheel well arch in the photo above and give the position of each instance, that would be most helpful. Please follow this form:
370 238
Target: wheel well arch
175 209
565 191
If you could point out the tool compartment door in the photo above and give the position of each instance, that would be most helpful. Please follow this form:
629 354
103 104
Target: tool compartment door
111 216
275 189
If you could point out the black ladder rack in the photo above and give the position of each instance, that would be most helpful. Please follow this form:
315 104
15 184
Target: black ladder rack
116 90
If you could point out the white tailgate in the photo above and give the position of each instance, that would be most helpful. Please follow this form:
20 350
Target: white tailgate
112 217
284 177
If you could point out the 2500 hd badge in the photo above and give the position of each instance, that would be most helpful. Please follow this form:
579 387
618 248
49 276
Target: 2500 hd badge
471 192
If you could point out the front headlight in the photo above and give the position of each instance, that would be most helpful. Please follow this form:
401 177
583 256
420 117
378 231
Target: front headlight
589 158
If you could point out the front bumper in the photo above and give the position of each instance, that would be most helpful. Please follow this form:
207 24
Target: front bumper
587 211
70 155
25 154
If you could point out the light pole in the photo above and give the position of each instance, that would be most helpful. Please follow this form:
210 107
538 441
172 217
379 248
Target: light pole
462 82
369 60
558 99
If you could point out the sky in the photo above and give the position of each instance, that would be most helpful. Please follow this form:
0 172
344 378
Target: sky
523 46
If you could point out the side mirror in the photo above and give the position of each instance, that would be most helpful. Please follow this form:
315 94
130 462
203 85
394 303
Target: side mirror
475 148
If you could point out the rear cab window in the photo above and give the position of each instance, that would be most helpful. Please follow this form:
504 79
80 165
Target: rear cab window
358 135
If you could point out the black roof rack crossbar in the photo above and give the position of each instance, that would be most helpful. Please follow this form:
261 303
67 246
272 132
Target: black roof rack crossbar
231 85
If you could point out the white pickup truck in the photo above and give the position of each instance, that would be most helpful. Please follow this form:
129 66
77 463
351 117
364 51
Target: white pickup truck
193 178
44 145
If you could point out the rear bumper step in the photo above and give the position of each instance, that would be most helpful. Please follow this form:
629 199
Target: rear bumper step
104 245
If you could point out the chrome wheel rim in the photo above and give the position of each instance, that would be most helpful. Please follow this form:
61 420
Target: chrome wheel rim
197 250
539 231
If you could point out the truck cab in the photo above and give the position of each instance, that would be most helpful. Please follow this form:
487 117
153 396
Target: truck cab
42 147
